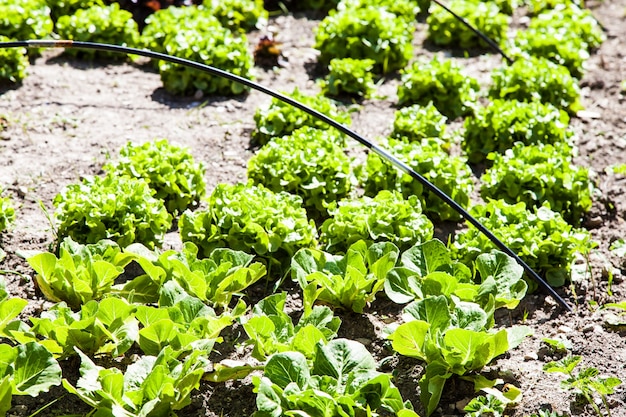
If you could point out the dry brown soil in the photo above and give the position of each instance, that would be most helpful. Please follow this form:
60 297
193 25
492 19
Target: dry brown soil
69 117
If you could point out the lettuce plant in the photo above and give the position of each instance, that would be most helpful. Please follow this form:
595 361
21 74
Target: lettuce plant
26 369
440 82
25 19
308 163
428 158
416 122
252 219
537 6
445 29
386 217
368 32
349 76
271 330
502 123
343 380
406 9
537 174
60 8
213 45
13 64
105 24
541 237
168 169
350 281
534 78
280 119
122 209
81 272
154 385
243 15
7 213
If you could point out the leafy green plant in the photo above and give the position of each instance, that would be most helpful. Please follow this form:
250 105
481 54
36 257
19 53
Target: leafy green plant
281 119
168 169
7 213
502 123
368 32
81 272
350 77
105 24
105 327
214 280
440 82
25 19
445 29
538 6
407 9
452 338
14 63
119 208
428 158
386 217
417 122
350 281
541 237
485 405
586 382
243 15
26 369
271 330
10 308
536 78
60 8
538 174
342 381
252 219
154 385
309 163
212 45
429 270
565 35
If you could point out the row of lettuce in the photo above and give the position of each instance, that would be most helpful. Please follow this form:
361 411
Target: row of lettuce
358 40
344 231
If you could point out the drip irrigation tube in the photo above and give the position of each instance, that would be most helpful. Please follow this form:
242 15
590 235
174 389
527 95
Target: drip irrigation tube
342 128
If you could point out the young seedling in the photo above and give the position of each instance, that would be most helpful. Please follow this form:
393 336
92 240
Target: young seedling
585 383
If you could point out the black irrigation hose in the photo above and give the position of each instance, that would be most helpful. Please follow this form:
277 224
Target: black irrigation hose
484 37
342 128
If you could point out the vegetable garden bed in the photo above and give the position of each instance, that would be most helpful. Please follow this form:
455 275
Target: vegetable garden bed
71 119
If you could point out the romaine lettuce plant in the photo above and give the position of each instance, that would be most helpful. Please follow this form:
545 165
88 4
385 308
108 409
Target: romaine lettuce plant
428 158
13 64
154 385
368 32
538 174
7 212
168 169
243 15
386 217
25 19
271 330
446 29
281 119
502 123
105 24
122 209
416 122
342 381
541 237
534 78
10 309
252 219
26 369
350 281
350 77
309 163
81 272
453 93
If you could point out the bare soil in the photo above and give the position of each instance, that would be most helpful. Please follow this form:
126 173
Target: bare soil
69 117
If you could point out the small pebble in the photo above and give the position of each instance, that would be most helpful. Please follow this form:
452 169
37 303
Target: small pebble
532 356
564 329
460 405
588 328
